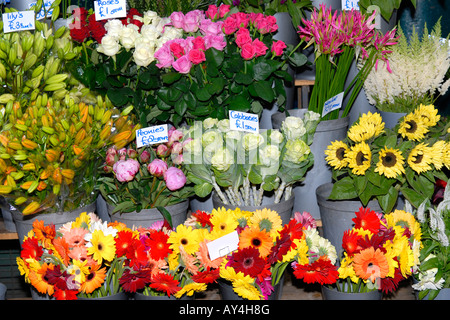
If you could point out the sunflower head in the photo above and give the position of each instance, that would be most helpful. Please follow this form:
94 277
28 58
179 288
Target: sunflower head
335 153
390 163
413 127
359 158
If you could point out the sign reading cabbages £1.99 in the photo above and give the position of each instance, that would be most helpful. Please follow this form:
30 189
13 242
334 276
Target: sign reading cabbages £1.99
110 9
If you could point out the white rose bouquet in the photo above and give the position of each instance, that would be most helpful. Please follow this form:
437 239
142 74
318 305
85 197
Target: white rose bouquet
241 166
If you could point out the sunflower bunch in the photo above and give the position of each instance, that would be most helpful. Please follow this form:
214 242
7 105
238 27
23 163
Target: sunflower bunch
379 251
166 262
378 163
265 248
83 258
50 151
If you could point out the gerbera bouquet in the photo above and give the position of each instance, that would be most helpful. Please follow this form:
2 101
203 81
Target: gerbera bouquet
378 163
416 73
165 262
147 177
224 60
432 274
80 259
339 38
379 251
242 167
265 247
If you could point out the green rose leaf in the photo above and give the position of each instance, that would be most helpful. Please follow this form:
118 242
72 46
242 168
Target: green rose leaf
263 90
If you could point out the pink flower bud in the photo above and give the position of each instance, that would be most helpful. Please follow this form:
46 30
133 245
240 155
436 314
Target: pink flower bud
131 153
157 167
110 159
125 170
145 156
174 178
162 150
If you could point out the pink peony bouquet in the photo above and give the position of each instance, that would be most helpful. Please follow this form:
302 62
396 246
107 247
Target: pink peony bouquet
147 177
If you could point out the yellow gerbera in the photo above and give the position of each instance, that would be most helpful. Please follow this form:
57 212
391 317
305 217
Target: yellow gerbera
301 252
335 154
266 219
102 247
359 158
241 216
223 223
190 288
83 220
404 219
419 158
184 236
429 114
246 290
368 126
79 269
390 163
412 127
23 269
346 269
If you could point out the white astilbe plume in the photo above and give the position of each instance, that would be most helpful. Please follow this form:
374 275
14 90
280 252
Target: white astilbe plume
418 72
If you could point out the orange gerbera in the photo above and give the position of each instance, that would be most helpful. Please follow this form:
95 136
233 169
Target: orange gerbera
94 279
256 238
39 281
370 264
62 247
203 256
189 261
44 233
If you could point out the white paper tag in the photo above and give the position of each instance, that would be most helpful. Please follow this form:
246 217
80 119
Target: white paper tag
350 4
242 121
152 135
333 103
18 21
110 9
223 245
46 5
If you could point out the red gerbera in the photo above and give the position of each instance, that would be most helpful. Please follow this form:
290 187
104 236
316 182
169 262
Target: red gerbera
281 247
124 241
367 219
57 278
321 271
350 242
137 255
247 261
166 283
389 284
31 249
203 218
65 294
293 229
157 242
133 280
207 276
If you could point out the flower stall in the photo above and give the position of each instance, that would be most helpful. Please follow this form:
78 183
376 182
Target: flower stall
117 117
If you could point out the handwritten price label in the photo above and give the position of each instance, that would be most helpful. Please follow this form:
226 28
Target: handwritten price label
242 121
45 8
152 135
18 21
110 9
350 4
333 103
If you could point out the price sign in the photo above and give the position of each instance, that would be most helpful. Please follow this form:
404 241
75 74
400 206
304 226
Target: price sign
18 21
152 135
242 121
333 103
110 9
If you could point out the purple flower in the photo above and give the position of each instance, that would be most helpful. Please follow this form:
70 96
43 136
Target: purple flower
125 170
174 178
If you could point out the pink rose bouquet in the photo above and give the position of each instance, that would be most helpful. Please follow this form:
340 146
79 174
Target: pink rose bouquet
147 177
224 60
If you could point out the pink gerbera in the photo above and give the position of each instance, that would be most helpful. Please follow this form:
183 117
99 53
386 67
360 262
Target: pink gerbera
75 237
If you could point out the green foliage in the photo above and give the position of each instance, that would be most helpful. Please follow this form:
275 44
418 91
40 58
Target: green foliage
386 7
